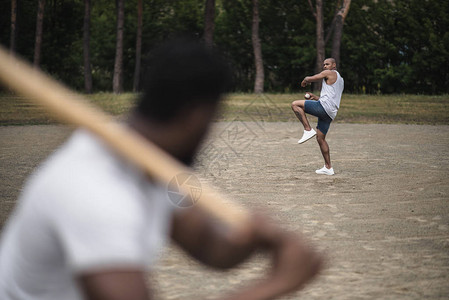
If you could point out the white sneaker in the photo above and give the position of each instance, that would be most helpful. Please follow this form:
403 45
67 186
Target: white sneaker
307 136
325 171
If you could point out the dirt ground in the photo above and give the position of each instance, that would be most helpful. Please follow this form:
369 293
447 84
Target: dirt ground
382 220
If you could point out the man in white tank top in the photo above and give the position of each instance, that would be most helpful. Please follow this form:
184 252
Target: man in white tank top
325 109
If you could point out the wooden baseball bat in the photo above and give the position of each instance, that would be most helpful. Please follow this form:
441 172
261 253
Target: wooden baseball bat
70 107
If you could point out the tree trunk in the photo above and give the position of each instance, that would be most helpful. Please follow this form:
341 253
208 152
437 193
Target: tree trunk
259 79
209 23
320 46
86 48
136 84
338 30
117 84
12 44
39 32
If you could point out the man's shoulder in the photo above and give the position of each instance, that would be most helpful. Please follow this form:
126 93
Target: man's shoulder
83 169
328 74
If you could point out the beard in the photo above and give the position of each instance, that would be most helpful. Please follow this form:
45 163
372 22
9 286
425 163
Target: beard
188 156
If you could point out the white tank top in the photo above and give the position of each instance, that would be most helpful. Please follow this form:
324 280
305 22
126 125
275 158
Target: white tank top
330 96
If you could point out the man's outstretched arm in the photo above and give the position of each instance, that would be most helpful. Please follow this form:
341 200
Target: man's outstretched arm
294 261
317 77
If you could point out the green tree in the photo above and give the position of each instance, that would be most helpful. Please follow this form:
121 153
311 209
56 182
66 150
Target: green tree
233 37
257 50
387 46
62 43
287 35
13 37
117 83
86 48
209 22
138 46
397 46
39 33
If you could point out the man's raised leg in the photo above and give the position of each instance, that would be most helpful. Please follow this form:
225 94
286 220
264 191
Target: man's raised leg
298 109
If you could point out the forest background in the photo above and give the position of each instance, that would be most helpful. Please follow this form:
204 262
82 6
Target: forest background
386 46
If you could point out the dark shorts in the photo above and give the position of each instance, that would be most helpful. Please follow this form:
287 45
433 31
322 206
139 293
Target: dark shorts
315 108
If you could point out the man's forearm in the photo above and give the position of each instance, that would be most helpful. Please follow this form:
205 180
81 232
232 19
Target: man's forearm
314 78
309 79
209 242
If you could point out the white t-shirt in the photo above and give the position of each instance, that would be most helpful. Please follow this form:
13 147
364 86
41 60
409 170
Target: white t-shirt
84 210
330 95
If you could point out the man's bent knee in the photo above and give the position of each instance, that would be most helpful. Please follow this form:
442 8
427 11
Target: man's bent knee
294 106
320 137
298 103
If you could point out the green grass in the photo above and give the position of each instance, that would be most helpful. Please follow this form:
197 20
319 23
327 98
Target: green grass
390 109
16 110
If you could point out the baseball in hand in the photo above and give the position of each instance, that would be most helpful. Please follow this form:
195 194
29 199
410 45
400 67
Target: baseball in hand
307 96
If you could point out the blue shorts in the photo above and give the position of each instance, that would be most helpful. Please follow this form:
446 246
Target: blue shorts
315 108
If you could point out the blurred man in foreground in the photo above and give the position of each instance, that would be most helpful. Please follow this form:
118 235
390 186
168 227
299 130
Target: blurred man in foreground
89 225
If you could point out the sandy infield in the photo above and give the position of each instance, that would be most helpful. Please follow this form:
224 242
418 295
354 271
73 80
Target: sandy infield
383 219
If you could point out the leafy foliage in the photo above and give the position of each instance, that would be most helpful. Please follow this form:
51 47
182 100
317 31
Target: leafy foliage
388 46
